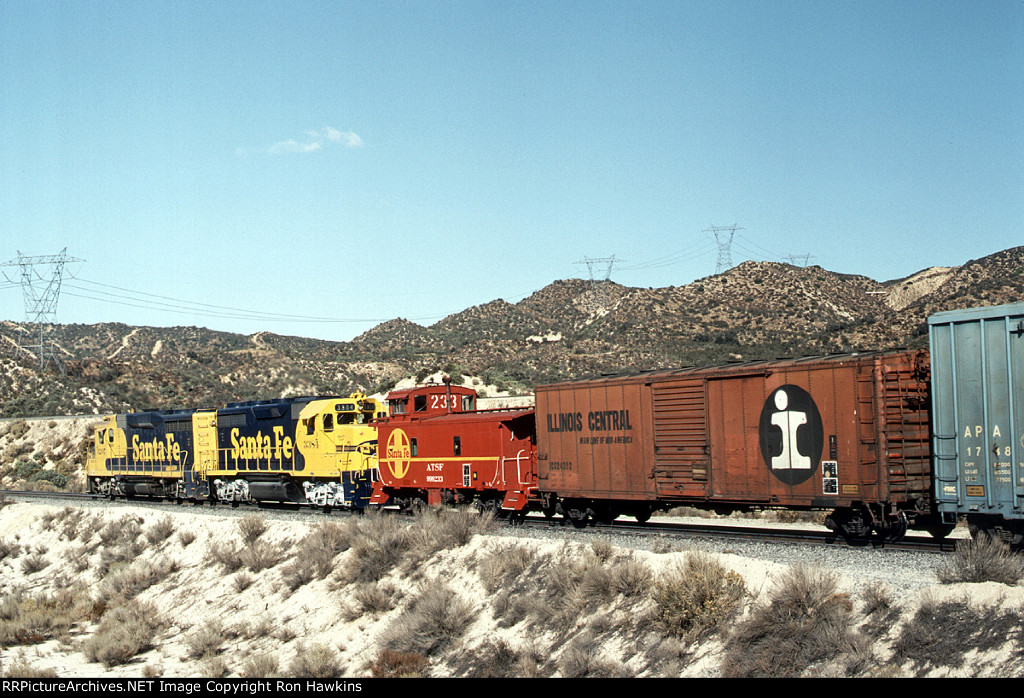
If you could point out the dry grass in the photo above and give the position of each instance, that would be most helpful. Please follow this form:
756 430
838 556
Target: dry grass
806 621
984 559
206 640
433 621
318 661
259 666
942 633
31 619
314 558
124 633
697 596
389 664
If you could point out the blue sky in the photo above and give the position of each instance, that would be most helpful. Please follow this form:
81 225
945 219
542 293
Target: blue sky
315 168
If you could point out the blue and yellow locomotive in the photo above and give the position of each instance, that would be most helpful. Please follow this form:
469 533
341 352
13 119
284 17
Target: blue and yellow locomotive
317 450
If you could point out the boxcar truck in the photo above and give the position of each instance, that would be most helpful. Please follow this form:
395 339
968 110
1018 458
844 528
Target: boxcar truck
977 358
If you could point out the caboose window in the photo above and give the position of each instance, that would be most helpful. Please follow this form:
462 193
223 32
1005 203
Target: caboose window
419 403
413 449
397 406
467 403
457 445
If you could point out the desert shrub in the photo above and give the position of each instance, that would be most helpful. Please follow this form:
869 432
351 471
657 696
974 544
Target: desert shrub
30 619
243 580
381 545
504 564
259 666
941 633
984 559
632 578
36 562
806 621
8 548
880 610
315 662
434 620
494 659
124 633
314 558
251 527
128 581
440 528
697 596
389 664
206 640
258 556
186 538
160 531
373 598
582 658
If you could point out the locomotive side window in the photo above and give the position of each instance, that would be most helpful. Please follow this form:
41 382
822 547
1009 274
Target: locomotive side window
457 445
328 422
310 425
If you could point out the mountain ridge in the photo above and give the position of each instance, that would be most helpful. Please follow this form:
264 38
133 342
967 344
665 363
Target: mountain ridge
571 328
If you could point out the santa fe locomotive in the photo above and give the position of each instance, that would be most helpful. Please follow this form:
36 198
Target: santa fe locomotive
316 450
883 441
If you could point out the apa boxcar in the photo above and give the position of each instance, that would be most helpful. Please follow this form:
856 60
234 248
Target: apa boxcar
845 433
977 402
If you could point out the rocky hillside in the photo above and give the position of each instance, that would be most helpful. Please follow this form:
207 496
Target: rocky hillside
569 329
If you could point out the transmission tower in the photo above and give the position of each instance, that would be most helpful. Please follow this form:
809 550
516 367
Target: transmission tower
598 289
805 258
723 236
40 279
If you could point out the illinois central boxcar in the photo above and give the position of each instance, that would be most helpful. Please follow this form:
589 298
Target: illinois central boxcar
435 448
846 433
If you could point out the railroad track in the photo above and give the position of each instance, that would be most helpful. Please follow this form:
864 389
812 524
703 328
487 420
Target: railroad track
688 530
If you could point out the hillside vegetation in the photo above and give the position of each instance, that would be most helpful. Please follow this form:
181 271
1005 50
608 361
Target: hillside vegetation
569 329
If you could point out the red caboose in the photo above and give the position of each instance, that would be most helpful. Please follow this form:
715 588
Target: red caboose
435 447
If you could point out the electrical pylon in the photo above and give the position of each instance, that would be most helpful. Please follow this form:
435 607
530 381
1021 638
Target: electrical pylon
41 292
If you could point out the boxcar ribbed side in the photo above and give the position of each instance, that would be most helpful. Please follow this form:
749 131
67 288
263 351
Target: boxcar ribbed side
845 433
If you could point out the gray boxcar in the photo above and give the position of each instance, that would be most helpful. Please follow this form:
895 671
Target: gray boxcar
977 358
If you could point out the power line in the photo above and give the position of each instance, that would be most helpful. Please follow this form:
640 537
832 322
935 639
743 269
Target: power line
598 290
40 303
723 237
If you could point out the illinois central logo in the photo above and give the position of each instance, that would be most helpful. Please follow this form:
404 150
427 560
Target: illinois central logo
398 453
791 434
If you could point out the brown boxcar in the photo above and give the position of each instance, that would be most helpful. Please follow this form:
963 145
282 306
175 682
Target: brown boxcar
846 433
